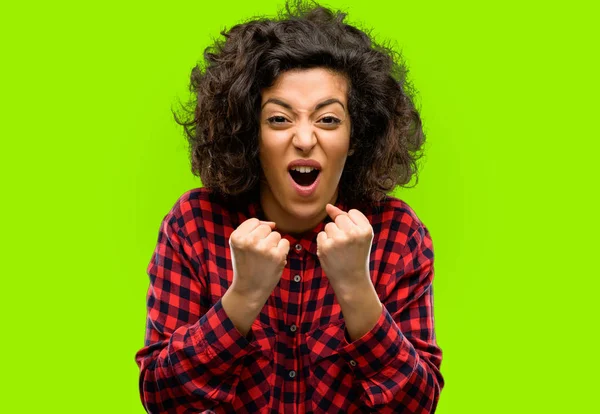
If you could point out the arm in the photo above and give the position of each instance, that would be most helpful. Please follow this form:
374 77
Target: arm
191 359
397 362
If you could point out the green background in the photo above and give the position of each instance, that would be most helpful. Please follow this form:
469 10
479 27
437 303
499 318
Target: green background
92 161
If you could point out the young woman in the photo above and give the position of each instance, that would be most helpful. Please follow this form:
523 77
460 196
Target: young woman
290 282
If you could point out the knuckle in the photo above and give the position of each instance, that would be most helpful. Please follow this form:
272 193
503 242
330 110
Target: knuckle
261 245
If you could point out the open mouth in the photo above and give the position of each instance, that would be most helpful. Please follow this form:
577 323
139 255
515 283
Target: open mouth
304 179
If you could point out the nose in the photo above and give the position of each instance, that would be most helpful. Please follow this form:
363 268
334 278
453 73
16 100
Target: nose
304 138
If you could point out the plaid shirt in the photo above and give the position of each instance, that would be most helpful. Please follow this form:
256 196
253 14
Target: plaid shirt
297 356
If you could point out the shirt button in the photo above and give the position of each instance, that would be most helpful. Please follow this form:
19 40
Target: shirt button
293 328
353 362
298 247
297 278
292 374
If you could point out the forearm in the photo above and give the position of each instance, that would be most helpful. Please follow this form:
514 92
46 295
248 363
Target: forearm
241 309
361 308
412 381
397 361
420 394
198 363
392 373
389 372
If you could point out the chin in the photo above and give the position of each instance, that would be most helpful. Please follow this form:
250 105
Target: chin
304 210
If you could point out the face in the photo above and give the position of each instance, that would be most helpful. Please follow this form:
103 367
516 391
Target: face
304 118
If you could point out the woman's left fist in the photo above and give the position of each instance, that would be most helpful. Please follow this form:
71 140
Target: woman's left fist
344 248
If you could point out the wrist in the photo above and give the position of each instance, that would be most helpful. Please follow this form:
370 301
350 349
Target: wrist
240 310
353 289
361 308
249 300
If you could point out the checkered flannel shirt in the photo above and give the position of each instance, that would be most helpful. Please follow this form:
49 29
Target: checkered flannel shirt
297 357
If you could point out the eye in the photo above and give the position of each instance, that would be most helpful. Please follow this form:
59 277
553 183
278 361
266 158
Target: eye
332 120
280 120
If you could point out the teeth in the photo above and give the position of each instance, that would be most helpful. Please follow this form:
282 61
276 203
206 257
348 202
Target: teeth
303 169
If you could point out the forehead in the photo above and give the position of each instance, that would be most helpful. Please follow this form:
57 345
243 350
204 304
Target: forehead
308 85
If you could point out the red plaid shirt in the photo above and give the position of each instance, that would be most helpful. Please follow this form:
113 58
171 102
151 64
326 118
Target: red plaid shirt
297 356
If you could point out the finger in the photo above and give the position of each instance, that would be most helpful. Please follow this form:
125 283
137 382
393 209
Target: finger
283 246
247 226
260 232
332 230
242 230
321 237
270 223
272 240
359 218
333 211
344 222
323 243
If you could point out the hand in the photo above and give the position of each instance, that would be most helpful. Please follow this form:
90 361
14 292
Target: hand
344 248
258 255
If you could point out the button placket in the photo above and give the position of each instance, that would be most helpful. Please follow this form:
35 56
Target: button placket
292 318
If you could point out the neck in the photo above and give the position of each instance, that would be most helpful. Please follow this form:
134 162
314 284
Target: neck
285 221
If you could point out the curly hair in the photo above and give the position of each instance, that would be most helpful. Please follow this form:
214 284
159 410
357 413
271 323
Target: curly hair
221 121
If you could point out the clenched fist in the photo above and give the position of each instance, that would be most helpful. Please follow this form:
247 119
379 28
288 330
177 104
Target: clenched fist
258 255
344 248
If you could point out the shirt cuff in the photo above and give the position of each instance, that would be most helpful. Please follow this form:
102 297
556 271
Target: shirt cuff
376 349
225 344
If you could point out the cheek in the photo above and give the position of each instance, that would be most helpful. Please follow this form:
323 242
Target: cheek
263 150
268 157
338 154
271 148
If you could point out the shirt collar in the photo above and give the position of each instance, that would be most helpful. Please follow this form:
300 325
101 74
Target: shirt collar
308 239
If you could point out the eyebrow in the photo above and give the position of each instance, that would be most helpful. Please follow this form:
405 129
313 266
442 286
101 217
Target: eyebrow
317 107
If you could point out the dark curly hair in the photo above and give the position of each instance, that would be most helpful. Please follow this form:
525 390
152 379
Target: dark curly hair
221 122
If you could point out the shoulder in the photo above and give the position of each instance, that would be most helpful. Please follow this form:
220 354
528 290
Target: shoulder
395 220
191 204
199 220
197 211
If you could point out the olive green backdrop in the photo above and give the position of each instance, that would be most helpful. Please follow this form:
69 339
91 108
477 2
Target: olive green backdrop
92 161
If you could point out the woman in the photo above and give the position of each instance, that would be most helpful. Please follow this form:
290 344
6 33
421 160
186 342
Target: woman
291 282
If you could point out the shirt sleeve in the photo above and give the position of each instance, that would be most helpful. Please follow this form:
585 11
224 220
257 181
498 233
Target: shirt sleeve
192 354
397 362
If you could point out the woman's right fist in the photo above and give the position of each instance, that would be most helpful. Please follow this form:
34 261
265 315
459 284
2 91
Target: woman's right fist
258 255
